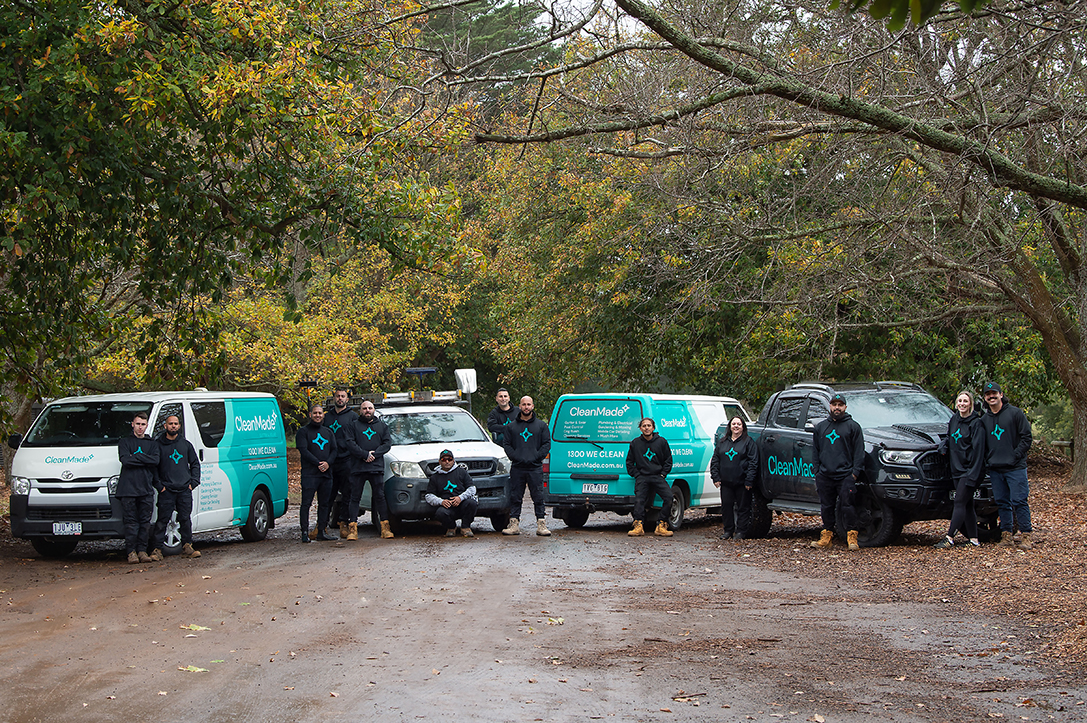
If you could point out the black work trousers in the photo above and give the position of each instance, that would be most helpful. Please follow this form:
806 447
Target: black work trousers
379 508
830 491
644 490
533 479
136 515
321 488
465 512
735 508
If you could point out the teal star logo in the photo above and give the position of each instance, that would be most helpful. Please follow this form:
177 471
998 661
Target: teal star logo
335 426
506 422
997 432
731 453
650 454
957 435
177 457
834 436
450 487
369 432
320 441
525 435
139 450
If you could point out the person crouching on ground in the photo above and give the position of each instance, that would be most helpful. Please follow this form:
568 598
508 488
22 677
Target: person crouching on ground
453 494
733 467
178 475
649 460
965 446
316 445
837 467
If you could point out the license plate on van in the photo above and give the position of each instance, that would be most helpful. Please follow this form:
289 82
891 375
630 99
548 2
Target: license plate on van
67 528
594 489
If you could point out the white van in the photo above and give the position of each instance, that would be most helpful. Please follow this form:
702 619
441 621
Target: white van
65 471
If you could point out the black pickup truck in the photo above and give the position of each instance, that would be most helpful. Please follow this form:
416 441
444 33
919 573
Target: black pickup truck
905 478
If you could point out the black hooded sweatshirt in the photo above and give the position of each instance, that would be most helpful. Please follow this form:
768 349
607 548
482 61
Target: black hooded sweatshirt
1007 438
735 468
139 462
498 420
338 422
316 443
965 445
179 465
526 442
649 457
838 448
364 437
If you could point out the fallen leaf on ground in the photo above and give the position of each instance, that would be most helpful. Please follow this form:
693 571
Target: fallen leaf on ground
193 626
193 669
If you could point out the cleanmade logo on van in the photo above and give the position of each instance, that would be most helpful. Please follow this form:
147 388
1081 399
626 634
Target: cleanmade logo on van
264 424
666 423
576 411
69 460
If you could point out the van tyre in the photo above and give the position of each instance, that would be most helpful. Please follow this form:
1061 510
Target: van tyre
53 547
877 522
500 521
679 506
256 527
761 516
575 519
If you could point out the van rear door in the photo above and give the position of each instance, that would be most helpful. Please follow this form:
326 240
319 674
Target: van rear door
590 438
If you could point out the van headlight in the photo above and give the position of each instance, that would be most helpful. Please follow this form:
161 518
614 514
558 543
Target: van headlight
411 470
111 484
503 465
898 456
20 486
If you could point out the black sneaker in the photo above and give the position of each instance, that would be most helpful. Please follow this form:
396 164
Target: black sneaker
305 536
726 535
944 543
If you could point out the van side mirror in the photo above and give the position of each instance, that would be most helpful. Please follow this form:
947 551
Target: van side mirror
809 426
15 440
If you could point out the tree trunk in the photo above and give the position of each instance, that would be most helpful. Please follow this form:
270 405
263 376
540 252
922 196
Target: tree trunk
1078 482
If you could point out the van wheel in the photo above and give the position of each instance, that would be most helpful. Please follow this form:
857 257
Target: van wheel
877 523
172 543
761 516
679 506
53 547
260 518
575 519
500 521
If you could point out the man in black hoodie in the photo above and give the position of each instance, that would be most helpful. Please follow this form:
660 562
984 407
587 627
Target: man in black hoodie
649 461
317 447
338 419
139 455
177 476
838 459
501 416
527 442
1007 442
369 440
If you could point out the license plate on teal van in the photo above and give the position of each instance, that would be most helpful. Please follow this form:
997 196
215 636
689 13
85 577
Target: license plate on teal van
594 489
67 528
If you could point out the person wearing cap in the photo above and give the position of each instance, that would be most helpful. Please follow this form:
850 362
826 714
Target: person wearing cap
838 459
501 416
1007 442
453 495
369 439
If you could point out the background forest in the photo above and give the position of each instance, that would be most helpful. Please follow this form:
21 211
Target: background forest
715 198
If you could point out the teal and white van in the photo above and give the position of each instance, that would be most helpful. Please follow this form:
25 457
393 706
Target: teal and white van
65 471
590 435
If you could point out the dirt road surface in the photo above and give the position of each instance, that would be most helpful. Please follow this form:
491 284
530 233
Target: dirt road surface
584 625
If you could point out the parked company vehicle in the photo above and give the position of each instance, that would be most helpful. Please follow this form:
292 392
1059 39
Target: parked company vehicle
421 425
905 479
590 435
65 472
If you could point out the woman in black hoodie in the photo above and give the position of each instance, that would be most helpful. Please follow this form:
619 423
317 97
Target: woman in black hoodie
733 467
965 442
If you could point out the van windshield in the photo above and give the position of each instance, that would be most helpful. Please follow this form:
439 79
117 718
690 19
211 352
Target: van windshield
441 427
84 424
598 420
94 424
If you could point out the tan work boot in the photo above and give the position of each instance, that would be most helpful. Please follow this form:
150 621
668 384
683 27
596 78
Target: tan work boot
1006 539
313 534
343 530
352 531
156 555
662 530
1025 543
513 528
141 556
386 530
541 529
467 532
637 530
851 539
133 558
824 540
187 551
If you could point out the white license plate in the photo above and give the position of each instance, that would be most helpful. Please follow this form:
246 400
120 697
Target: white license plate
589 489
67 528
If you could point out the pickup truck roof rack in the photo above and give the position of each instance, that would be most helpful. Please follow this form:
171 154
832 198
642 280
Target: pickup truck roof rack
812 385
